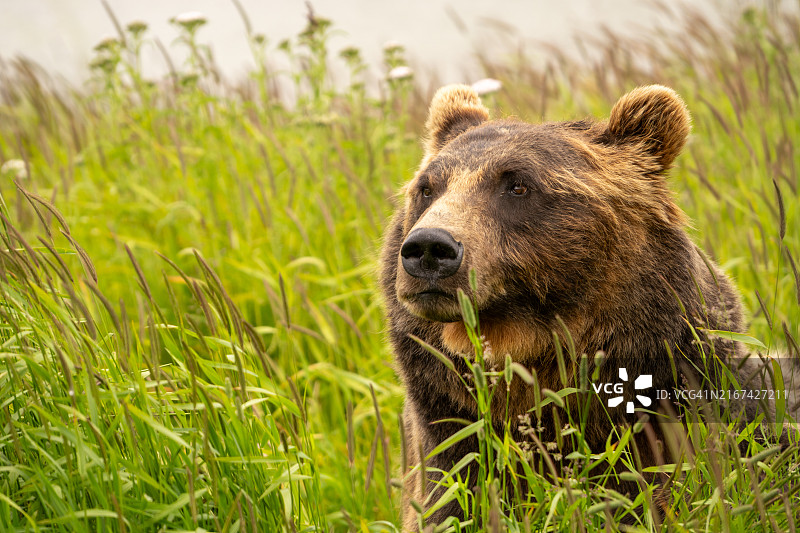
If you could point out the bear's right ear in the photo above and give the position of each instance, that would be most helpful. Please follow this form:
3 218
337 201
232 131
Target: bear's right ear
653 118
454 109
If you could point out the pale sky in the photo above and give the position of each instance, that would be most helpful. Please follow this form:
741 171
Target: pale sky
60 34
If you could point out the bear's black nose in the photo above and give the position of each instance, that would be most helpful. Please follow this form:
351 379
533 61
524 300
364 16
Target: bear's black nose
431 253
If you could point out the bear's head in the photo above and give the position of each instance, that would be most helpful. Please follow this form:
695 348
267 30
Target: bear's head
556 219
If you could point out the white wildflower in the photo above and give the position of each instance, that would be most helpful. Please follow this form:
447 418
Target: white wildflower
487 86
190 19
400 73
16 168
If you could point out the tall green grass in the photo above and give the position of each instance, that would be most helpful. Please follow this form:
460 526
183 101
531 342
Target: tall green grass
190 331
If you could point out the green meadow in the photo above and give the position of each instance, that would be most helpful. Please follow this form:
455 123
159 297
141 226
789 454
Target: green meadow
191 334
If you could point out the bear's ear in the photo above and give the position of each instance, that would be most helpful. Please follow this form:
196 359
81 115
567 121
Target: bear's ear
454 109
654 118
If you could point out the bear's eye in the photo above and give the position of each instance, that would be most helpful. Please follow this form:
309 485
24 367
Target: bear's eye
518 189
426 192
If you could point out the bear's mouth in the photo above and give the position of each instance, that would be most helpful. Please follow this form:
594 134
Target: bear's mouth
432 304
430 295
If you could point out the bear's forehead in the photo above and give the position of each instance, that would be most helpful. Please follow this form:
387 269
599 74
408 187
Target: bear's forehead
495 147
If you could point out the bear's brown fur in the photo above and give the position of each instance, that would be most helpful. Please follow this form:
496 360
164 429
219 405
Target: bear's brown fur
569 222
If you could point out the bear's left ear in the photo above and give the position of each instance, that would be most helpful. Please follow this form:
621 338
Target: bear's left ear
454 109
654 118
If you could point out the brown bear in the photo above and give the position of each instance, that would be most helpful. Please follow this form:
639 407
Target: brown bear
568 223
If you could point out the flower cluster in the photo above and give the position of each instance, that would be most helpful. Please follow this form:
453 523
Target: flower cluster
16 168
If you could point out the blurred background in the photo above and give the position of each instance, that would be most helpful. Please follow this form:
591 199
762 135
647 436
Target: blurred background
440 36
